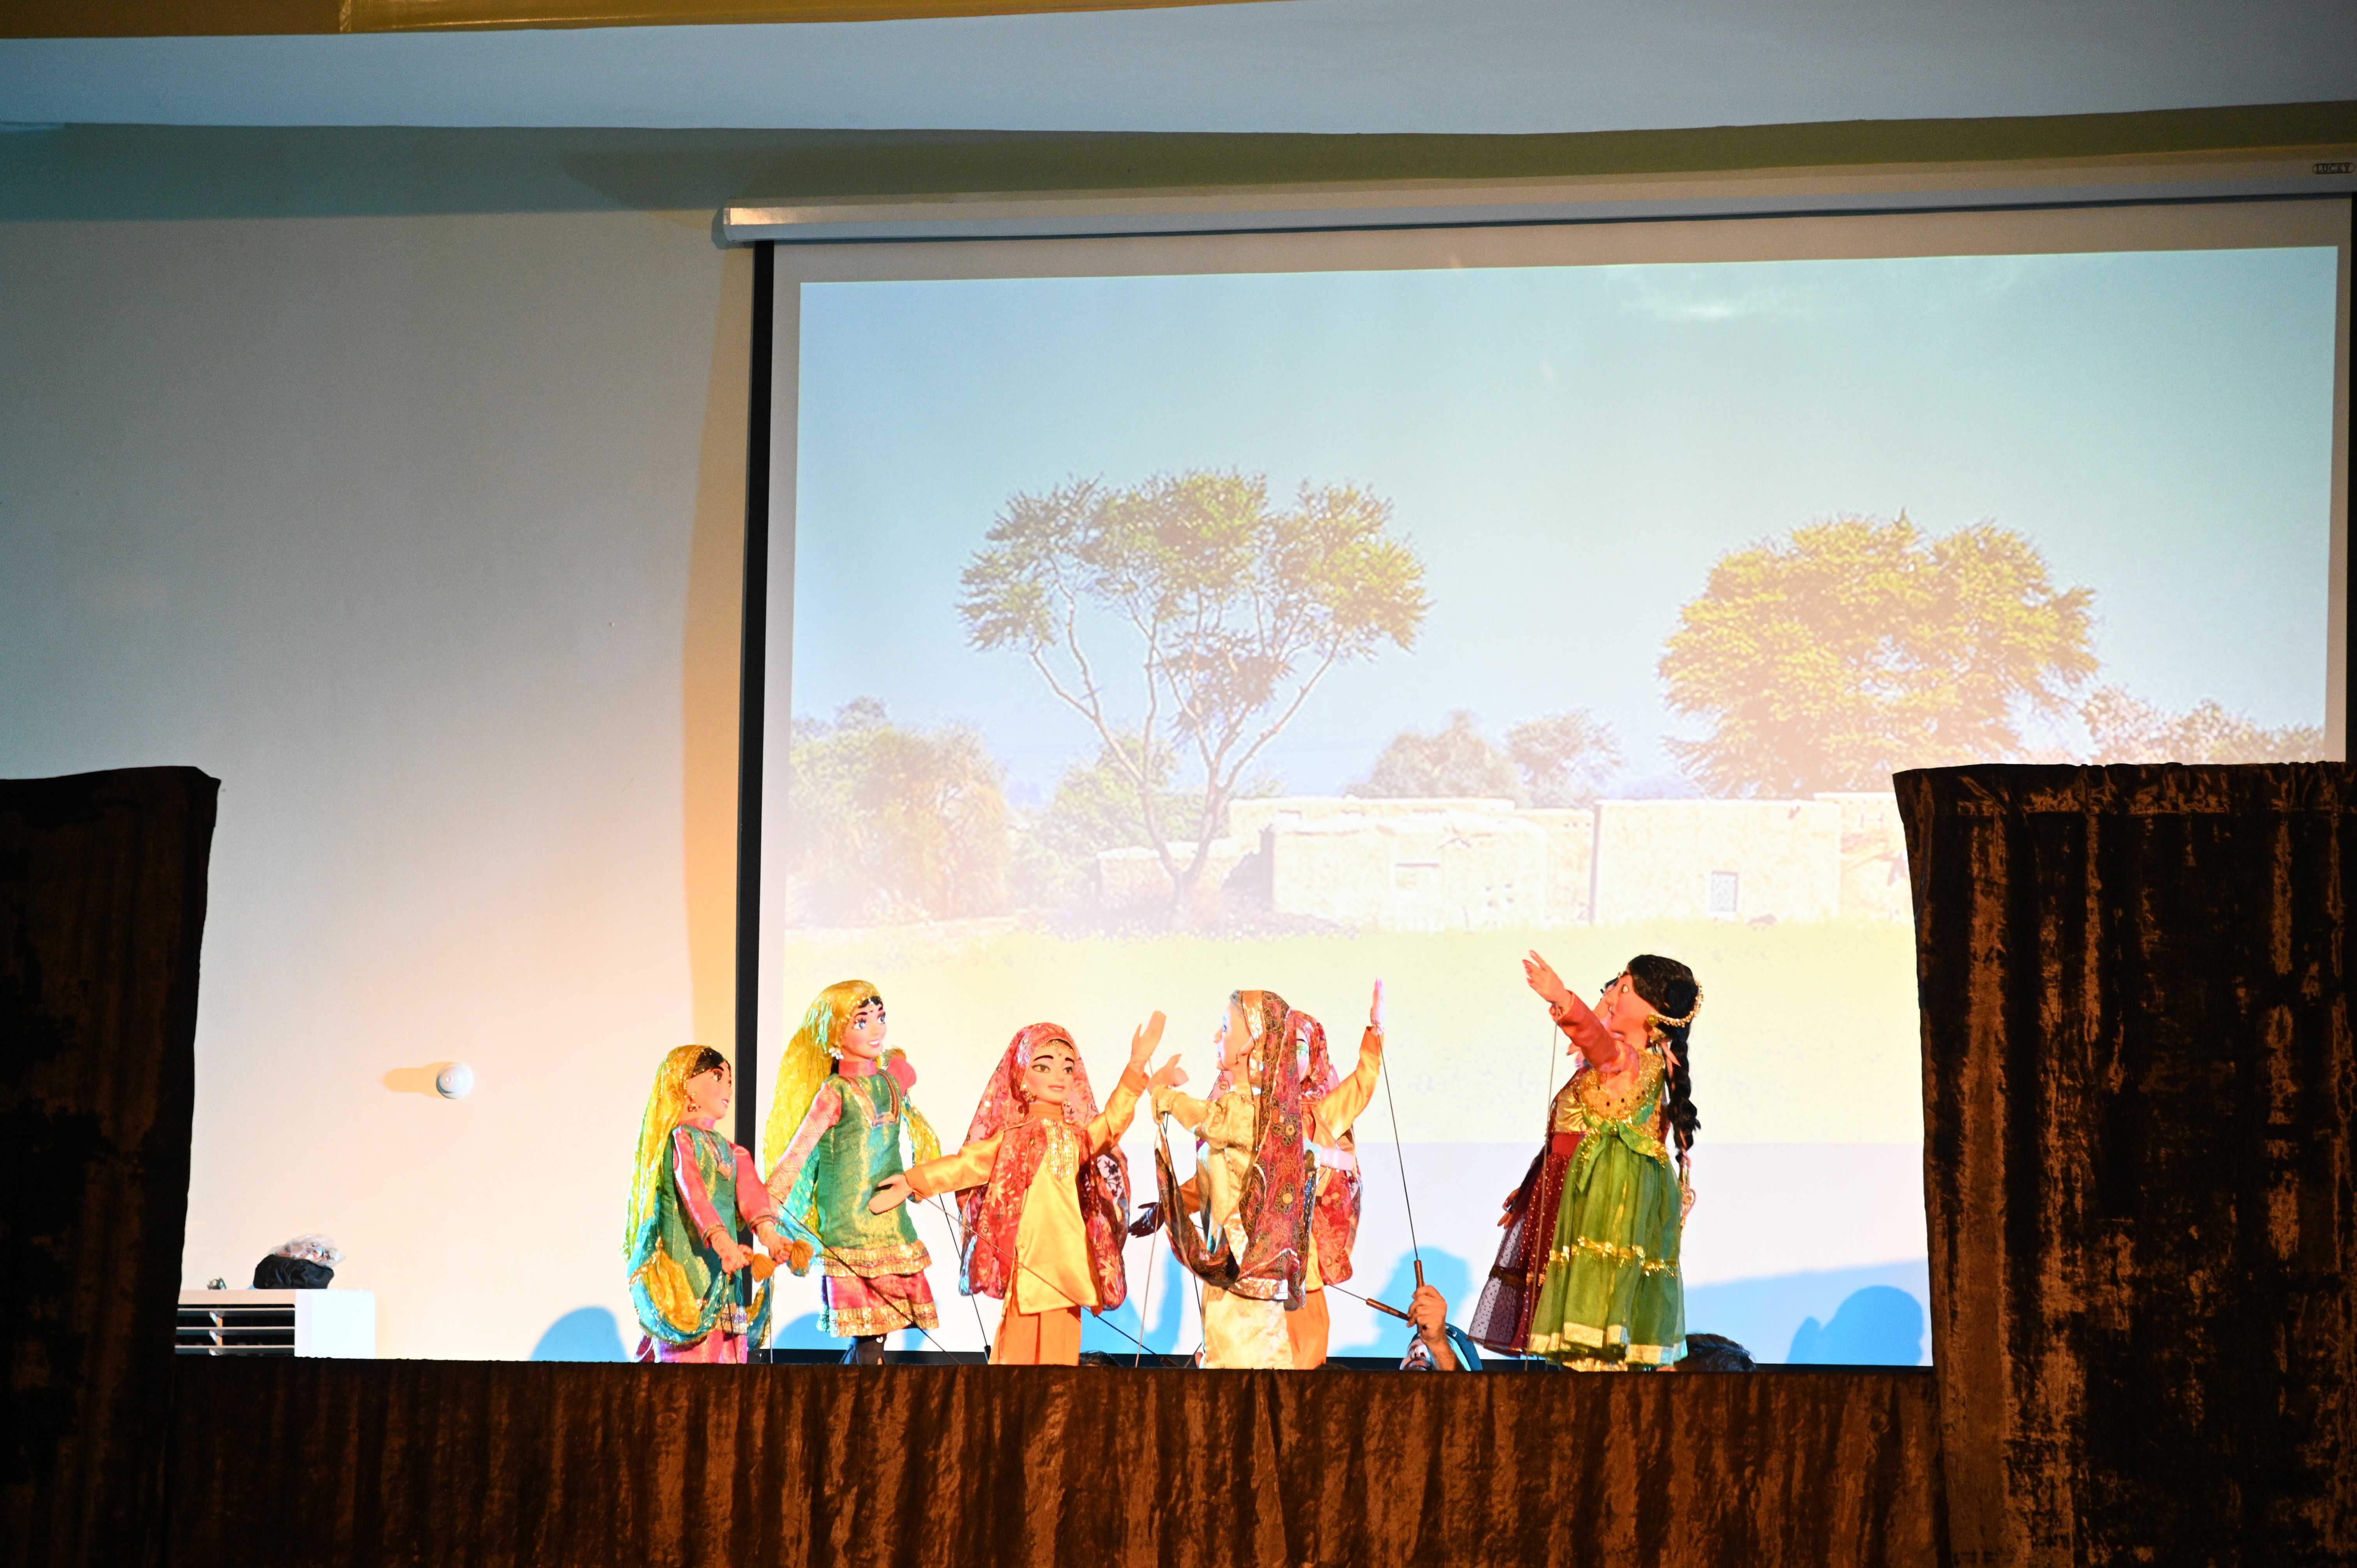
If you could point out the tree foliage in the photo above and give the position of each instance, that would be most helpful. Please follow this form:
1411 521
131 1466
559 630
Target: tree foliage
1228 609
891 823
2125 729
1559 761
1857 647
1455 760
1564 758
1095 808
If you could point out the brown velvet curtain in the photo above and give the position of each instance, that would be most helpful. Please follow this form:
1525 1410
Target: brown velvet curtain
421 1462
2138 1089
102 912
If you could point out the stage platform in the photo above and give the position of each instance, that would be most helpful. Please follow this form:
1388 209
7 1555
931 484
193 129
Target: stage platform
546 1464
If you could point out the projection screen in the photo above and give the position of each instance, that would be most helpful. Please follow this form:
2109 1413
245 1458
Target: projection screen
1466 592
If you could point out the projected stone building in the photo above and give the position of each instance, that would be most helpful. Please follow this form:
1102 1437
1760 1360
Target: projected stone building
1470 865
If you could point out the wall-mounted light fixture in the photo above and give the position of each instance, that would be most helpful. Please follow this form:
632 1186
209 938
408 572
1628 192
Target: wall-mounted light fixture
454 1081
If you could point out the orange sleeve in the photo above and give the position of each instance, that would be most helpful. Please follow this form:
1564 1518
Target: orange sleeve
969 1166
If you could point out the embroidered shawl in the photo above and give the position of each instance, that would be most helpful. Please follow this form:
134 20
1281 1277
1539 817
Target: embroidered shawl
993 1213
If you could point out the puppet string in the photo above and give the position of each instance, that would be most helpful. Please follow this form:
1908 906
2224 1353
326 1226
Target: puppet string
1401 1156
1145 1302
1371 1301
1162 1137
958 1234
1100 1317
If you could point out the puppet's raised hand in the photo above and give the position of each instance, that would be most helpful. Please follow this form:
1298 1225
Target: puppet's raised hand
1169 1075
890 1194
1142 1042
1544 980
1371 1044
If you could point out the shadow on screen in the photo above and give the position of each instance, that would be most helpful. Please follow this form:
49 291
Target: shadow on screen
1444 1272
1779 1316
585 1334
801 1334
1878 1325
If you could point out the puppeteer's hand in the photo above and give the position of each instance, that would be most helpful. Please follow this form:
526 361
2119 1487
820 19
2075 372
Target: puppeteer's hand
1169 1075
1428 1310
1544 980
1142 1042
890 1194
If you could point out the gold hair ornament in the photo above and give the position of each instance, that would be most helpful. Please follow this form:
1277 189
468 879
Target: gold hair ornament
1687 1022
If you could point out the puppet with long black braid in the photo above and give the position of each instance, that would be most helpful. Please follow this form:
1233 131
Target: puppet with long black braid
1589 1275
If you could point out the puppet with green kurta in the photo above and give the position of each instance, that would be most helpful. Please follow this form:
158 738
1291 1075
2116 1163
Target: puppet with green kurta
833 1136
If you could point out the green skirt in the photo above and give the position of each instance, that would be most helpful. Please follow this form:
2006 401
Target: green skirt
1611 1294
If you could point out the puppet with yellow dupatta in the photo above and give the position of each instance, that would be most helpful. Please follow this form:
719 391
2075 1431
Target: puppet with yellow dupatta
833 1136
1244 1224
690 1281
1043 1192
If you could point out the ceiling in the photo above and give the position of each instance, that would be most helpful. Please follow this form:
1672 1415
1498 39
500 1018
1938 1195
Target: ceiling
1332 66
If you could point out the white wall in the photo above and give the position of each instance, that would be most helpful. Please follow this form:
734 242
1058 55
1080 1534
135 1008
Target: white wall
421 534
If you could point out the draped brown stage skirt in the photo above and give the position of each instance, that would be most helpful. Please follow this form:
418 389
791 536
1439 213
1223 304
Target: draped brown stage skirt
488 1463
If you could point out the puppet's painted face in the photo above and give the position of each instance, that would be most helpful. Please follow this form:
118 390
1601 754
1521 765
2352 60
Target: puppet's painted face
709 1092
1234 1041
1621 1010
862 1034
1048 1076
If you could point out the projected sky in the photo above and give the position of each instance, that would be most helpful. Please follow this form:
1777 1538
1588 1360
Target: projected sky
1571 448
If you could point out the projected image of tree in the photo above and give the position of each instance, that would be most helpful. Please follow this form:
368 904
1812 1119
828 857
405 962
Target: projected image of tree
2125 728
892 823
1563 759
1858 648
1188 620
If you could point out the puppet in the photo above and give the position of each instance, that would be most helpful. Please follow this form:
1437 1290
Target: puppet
692 1281
1043 1192
1589 1273
1244 1224
834 1134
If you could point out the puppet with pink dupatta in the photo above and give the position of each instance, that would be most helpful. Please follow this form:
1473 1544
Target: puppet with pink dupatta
1043 1191
1243 1223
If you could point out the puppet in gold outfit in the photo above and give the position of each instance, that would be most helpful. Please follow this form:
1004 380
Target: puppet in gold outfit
1255 1182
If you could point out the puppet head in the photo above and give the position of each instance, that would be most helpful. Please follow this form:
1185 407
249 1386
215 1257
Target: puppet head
1006 1098
810 1060
665 1105
992 1213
